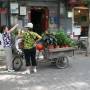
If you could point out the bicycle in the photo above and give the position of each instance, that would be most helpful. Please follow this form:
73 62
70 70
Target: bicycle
17 62
82 44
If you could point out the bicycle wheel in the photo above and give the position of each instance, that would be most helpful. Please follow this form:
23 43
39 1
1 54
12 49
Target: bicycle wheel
62 62
17 63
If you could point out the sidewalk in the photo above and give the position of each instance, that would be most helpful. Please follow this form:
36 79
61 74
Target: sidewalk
48 77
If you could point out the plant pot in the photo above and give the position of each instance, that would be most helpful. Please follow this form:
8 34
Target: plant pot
57 46
61 46
51 46
67 45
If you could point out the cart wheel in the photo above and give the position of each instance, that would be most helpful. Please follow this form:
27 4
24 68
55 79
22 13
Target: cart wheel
62 62
17 63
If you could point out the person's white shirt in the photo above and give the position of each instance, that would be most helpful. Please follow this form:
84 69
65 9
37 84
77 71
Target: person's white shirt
1 42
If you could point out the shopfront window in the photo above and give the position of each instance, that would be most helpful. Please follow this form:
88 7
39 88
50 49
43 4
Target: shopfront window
81 15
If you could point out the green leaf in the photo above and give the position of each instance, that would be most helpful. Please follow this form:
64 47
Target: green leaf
86 2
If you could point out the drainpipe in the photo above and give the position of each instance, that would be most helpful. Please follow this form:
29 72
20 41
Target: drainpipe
8 14
58 10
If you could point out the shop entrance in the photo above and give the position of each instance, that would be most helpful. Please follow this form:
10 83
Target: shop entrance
39 19
81 17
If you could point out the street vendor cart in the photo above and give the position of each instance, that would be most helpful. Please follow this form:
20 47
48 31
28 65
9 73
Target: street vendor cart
58 56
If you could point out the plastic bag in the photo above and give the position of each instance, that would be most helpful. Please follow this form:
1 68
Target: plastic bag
21 44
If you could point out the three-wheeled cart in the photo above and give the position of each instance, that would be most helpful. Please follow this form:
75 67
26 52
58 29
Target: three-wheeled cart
57 56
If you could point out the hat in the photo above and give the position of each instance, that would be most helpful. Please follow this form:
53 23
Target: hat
29 25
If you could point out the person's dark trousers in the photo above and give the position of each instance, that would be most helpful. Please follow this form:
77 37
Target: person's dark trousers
30 56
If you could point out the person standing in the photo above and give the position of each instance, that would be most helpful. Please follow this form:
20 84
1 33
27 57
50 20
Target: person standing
29 37
6 34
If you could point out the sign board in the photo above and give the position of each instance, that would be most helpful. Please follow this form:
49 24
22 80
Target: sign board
14 8
77 30
22 10
70 14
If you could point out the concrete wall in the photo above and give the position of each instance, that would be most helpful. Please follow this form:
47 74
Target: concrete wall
53 15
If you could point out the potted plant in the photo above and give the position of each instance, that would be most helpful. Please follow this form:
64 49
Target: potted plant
63 40
60 36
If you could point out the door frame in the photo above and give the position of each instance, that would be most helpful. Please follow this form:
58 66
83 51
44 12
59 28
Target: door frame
45 20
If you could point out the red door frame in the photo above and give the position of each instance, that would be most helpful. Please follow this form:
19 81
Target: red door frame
45 18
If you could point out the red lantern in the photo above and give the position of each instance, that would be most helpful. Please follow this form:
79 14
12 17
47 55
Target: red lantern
39 47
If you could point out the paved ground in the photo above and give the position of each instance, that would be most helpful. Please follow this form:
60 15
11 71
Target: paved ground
48 77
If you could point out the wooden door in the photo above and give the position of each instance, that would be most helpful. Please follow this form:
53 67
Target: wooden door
45 19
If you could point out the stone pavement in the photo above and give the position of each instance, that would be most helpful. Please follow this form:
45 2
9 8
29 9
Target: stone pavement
48 77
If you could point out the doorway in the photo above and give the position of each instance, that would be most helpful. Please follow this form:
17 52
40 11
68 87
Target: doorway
39 19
